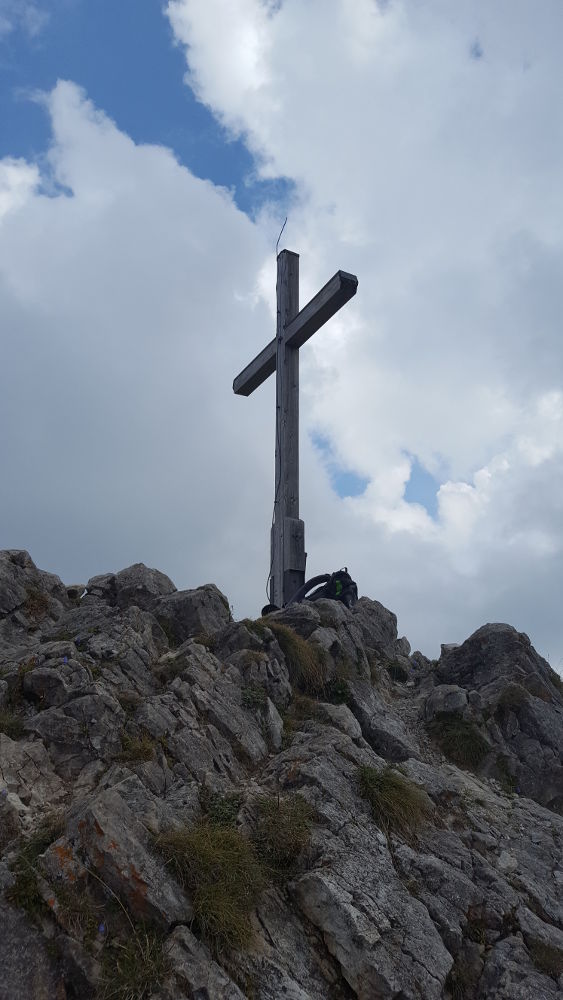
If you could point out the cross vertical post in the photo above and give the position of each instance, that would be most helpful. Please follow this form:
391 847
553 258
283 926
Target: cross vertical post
294 327
288 532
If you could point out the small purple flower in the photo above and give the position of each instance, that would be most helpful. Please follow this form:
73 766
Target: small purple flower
102 929
65 659
3 793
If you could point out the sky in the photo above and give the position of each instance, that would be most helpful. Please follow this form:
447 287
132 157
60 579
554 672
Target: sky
149 154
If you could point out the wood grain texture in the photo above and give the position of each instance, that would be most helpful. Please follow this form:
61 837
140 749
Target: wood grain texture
286 502
341 287
263 365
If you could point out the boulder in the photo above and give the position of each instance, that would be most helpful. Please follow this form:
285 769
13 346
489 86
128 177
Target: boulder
445 698
116 847
189 613
31 592
514 692
28 970
136 586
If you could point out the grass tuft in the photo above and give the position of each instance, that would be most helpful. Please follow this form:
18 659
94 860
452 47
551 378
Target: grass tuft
306 663
220 810
283 832
206 639
25 891
546 958
397 672
36 604
336 691
222 871
254 697
140 748
459 740
512 698
135 968
11 723
398 806
505 777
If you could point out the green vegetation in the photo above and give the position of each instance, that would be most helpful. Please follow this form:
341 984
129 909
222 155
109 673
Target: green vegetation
556 680
505 777
129 701
459 982
397 672
306 663
11 723
135 968
63 635
171 637
259 627
251 656
206 639
536 687
224 875
512 698
459 740
140 748
254 696
300 708
283 831
398 806
336 691
77 912
36 604
25 891
220 810
546 958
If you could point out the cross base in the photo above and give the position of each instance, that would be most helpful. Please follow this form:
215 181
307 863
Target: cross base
293 560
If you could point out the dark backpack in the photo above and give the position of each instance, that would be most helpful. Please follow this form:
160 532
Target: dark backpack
337 586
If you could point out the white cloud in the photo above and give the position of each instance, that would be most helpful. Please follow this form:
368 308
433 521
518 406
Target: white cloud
24 14
124 298
18 180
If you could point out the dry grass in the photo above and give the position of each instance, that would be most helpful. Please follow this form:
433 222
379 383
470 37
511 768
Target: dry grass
25 892
398 806
397 672
11 723
133 969
546 958
283 832
306 663
136 748
459 740
221 870
36 604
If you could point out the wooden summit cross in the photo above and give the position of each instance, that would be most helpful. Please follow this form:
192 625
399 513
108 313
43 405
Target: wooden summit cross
293 329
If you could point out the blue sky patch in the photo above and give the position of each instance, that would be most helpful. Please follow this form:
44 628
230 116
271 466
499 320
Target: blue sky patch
422 488
343 481
123 55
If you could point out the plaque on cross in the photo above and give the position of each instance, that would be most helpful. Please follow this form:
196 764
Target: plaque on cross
293 328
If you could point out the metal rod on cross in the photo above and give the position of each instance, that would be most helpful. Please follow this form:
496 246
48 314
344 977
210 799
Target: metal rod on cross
293 329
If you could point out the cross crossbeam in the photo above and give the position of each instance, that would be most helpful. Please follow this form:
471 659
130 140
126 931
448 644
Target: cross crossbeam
294 327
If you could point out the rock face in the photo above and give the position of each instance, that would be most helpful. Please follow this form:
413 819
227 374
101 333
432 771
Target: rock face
423 857
517 697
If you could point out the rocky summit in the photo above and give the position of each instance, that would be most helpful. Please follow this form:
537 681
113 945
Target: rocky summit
294 807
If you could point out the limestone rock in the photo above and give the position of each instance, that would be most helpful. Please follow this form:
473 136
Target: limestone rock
515 695
445 698
136 586
27 969
188 613
137 709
